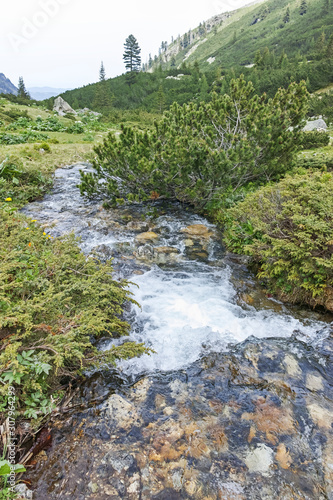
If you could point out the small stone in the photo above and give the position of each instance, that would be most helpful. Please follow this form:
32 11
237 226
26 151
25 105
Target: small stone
292 366
148 236
93 487
198 230
189 243
23 491
121 412
283 457
314 382
260 459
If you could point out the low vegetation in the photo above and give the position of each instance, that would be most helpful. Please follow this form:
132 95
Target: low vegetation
287 229
54 301
200 153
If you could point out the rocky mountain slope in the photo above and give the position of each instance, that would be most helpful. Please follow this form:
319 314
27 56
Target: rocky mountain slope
233 38
6 86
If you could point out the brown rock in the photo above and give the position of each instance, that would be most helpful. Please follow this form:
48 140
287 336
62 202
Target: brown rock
121 412
167 250
271 420
198 231
283 457
144 237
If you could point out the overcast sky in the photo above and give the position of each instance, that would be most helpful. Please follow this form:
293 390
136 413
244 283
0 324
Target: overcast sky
61 43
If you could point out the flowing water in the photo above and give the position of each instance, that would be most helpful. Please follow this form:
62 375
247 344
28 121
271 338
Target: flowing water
227 406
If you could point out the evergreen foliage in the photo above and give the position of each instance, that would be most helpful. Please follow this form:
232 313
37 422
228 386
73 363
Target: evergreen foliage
287 229
197 153
131 55
102 98
53 300
22 92
286 17
303 8
102 73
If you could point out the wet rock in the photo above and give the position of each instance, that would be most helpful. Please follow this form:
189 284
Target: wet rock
104 252
189 243
283 457
167 250
145 252
198 231
121 413
260 459
138 226
120 461
323 417
314 382
23 491
148 236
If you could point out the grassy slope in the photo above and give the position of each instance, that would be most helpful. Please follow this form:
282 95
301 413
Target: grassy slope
295 36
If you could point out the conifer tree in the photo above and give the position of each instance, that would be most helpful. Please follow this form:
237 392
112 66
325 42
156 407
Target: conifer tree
160 100
102 73
303 7
200 152
326 7
286 18
321 43
329 50
102 98
131 55
21 90
204 87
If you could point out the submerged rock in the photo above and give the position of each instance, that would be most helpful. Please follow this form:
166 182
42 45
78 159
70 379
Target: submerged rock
148 236
198 231
253 423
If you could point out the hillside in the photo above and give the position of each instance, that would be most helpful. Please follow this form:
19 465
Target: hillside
234 38
270 42
6 86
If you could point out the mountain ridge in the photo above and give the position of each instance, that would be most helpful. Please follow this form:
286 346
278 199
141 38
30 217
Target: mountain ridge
6 86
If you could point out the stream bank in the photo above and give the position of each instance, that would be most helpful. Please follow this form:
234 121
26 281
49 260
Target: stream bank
236 401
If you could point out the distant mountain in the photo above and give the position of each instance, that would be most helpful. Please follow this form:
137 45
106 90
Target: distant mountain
6 86
41 93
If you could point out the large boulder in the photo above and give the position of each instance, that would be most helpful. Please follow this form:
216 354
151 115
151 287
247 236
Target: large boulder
315 125
62 107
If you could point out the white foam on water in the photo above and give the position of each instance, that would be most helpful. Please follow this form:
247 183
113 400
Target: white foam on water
188 313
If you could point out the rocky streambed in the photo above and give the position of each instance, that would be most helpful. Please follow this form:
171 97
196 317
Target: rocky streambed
236 401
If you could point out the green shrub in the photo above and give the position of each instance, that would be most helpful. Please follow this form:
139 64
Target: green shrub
317 160
44 146
198 153
53 300
76 128
314 139
10 139
19 183
287 229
